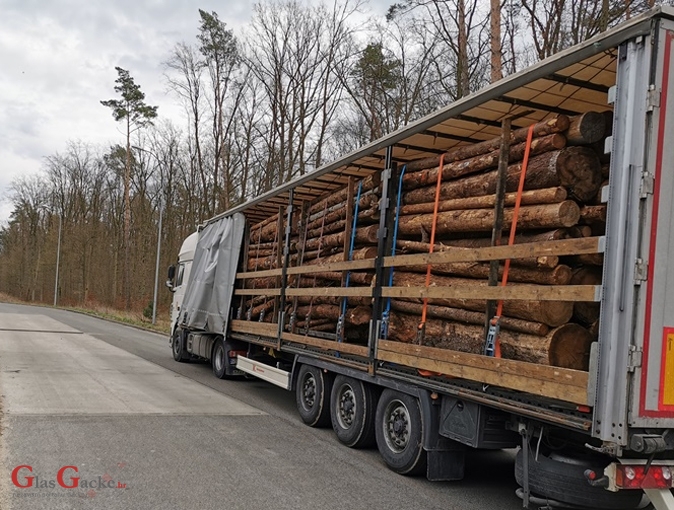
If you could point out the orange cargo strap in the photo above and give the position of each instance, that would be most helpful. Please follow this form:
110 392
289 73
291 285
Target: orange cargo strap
513 229
436 206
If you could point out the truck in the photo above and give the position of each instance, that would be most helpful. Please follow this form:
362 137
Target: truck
493 275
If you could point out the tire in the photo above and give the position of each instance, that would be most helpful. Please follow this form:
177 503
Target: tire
219 359
312 396
353 406
561 477
399 432
178 346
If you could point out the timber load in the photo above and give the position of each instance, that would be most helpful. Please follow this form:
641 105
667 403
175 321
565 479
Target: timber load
450 206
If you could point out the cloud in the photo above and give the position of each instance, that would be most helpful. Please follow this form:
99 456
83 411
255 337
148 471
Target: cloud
58 59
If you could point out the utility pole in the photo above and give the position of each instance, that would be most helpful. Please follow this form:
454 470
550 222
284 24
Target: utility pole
58 261
159 229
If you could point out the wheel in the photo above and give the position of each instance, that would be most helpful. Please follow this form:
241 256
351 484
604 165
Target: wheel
219 359
399 432
561 477
312 394
178 346
352 412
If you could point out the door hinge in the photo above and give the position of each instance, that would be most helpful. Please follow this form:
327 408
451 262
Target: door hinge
640 272
635 358
653 98
647 184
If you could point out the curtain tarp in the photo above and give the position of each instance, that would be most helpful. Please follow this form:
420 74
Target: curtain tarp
208 295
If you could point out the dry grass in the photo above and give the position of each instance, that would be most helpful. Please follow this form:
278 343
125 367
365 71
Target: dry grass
131 318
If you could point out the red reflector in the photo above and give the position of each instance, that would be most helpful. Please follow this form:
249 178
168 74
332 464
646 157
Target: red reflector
234 354
636 477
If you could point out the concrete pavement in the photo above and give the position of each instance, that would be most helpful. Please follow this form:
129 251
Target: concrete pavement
110 401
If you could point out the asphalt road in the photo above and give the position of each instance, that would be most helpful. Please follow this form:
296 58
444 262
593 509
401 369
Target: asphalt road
109 401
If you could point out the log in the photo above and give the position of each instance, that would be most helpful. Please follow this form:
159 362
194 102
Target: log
586 129
369 183
567 346
313 323
469 317
358 254
476 164
560 275
334 225
314 254
333 300
552 313
266 306
593 329
588 259
406 246
531 197
564 214
575 168
586 313
354 277
593 214
338 211
555 124
355 316
265 283
271 219
365 235
262 246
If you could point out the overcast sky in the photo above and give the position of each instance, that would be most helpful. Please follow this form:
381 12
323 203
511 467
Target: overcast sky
57 61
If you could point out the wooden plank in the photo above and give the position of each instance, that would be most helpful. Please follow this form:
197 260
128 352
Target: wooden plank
519 292
254 328
579 246
318 268
577 378
356 350
257 292
331 291
558 383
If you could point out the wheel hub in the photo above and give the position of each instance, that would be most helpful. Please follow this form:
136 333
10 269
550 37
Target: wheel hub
397 426
309 391
347 407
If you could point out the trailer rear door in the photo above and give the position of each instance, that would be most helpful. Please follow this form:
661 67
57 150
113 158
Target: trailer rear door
653 388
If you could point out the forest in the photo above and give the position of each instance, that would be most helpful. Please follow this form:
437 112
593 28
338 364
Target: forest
298 86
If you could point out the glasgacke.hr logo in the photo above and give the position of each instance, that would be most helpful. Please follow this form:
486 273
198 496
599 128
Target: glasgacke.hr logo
67 477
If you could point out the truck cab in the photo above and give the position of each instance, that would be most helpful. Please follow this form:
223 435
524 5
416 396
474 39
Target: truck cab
179 275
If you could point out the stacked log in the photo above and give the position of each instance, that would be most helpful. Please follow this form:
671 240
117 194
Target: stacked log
561 200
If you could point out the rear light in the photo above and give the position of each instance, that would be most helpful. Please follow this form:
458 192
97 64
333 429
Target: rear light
638 477
233 355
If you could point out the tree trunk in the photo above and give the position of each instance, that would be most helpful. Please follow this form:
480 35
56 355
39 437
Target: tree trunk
560 275
586 313
564 214
405 246
476 164
552 313
369 183
532 197
553 125
586 129
469 317
355 316
576 168
567 346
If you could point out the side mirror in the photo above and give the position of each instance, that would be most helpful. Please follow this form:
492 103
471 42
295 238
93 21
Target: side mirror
169 284
171 272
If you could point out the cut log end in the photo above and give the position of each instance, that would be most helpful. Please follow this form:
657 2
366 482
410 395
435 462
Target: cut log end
570 347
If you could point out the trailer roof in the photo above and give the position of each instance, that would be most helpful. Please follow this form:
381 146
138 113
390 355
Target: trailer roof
572 81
